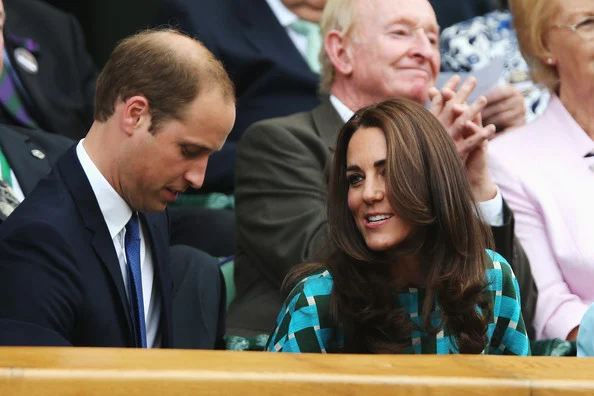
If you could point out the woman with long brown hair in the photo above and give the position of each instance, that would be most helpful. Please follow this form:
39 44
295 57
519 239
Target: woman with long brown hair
410 270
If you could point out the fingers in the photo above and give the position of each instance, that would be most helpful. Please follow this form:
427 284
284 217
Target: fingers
439 99
508 119
507 110
475 109
433 92
455 102
502 93
459 129
447 94
465 90
513 101
475 139
452 83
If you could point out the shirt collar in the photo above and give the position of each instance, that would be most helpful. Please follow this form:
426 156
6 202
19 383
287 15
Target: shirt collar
573 132
115 210
343 111
282 13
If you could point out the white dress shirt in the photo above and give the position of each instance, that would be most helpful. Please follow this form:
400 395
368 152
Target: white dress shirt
117 213
286 18
491 210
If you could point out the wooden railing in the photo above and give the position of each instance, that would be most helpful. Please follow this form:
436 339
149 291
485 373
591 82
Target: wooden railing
128 372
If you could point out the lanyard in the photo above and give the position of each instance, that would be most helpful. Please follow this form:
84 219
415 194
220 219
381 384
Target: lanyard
5 169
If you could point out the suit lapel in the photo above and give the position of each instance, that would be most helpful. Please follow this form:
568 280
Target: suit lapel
263 30
77 183
18 149
327 122
30 81
162 271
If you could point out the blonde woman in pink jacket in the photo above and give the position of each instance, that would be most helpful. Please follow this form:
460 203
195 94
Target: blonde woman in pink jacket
545 169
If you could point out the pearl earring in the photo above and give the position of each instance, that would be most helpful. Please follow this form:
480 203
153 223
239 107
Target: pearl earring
550 61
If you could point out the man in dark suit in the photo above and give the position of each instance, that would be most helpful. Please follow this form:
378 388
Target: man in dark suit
54 80
84 260
49 69
281 163
31 153
265 58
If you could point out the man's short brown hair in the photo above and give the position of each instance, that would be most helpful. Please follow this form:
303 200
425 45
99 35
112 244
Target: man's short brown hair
147 64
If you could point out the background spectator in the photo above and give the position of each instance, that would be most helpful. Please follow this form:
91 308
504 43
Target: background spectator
263 53
544 169
281 163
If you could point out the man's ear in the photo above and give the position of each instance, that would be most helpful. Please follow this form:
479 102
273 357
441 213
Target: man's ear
136 114
338 48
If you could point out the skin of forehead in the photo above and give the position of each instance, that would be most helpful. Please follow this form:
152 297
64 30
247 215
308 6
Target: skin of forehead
370 5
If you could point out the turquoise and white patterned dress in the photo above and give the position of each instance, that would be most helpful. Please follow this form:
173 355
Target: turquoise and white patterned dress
305 324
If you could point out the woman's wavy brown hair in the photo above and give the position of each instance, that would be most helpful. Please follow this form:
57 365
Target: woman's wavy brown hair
427 187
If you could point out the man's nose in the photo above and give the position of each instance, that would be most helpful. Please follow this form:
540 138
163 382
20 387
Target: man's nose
195 175
422 46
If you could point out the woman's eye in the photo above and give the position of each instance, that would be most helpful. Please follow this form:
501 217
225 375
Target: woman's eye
354 179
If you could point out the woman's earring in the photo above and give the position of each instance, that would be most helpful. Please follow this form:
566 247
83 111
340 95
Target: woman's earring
549 61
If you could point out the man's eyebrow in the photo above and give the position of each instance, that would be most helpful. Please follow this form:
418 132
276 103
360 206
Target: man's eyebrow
413 22
195 146
581 13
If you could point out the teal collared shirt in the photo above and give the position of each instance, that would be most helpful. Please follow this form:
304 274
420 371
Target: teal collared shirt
585 339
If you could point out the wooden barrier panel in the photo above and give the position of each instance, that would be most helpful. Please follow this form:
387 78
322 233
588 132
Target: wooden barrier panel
132 372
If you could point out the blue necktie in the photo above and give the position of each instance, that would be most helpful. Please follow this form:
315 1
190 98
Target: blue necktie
135 279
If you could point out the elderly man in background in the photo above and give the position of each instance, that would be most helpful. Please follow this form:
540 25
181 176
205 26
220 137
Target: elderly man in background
374 50
270 49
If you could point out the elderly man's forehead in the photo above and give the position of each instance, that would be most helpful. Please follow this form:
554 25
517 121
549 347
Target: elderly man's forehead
395 10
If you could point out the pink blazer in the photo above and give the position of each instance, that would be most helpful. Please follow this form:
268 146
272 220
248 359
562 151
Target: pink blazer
543 176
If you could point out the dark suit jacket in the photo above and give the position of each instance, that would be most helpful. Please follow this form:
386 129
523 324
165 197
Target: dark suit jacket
272 78
18 144
281 215
61 93
60 279
450 12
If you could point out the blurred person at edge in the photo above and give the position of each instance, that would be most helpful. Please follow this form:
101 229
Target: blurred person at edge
544 169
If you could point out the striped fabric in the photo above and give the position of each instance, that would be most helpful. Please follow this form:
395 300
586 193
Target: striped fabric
27 43
12 102
305 325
